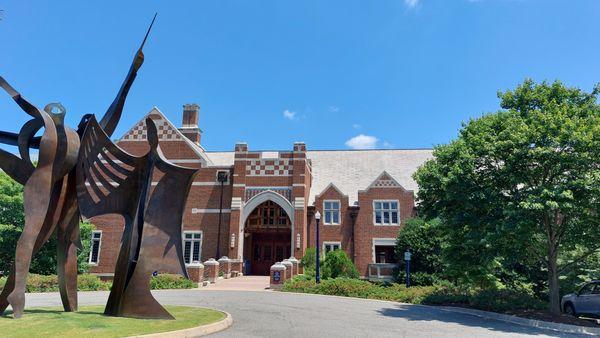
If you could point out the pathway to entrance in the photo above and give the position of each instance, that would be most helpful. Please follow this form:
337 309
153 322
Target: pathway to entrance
245 283
280 314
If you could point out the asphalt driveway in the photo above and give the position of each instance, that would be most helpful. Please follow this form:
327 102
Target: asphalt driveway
278 314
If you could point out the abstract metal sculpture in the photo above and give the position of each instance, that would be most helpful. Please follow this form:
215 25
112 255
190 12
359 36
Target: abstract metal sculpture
111 181
49 188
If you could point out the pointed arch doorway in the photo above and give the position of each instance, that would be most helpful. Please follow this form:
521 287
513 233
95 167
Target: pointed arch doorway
268 229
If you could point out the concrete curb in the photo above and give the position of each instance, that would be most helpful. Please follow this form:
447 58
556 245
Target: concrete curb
540 324
197 331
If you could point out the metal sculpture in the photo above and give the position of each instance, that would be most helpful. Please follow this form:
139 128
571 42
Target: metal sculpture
111 181
49 188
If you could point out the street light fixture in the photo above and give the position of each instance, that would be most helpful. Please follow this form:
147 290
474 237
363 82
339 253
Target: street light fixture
318 267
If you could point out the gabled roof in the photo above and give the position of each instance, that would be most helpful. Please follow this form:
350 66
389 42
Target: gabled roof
166 133
354 170
384 180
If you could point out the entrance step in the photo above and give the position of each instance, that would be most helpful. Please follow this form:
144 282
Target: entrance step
244 283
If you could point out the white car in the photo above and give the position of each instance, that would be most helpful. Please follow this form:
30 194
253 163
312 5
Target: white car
584 302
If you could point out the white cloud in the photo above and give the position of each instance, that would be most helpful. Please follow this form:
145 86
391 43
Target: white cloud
388 145
288 114
411 3
362 142
334 109
356 126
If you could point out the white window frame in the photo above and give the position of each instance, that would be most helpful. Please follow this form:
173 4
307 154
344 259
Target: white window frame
390 210
92 247
183 240
381 242
339 212
325 244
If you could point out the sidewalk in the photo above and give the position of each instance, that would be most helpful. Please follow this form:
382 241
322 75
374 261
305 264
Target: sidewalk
245 283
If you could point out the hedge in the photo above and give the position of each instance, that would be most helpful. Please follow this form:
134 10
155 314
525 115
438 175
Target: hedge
88 282
440 294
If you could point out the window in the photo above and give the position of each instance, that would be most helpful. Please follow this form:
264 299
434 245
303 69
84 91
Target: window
192 247
331 246
223 176
331 209
385 254
95 247
385 212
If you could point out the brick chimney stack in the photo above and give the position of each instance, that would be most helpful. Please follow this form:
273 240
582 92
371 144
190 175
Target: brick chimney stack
189 126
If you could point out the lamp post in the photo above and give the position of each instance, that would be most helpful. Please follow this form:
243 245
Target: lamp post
318 267
407 256
222 178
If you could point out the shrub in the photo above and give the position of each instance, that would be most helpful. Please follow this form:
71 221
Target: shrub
87 282
41 283
439 294
337 264
169 281
308 261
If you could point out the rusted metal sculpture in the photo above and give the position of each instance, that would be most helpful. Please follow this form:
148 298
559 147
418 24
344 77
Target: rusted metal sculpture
50 197
110 181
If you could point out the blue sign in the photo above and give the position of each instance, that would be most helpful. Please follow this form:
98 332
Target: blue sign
277 276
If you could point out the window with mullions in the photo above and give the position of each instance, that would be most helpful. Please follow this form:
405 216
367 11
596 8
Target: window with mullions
331 210
95 247
192 247
331 246
385 212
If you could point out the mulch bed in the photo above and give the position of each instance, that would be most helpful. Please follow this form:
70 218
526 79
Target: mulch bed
541 315
548 317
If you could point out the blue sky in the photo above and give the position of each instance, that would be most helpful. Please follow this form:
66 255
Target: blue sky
335 74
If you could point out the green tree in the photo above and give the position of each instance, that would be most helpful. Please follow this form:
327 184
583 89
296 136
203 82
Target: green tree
424 240
523 182
11 201
12 219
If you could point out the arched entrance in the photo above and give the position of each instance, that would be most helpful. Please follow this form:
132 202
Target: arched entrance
267 233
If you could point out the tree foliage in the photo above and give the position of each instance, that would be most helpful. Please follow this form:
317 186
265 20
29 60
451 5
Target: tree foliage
520 184
12 219
424 240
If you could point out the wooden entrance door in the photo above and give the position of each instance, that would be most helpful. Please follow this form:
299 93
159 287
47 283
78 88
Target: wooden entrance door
268 248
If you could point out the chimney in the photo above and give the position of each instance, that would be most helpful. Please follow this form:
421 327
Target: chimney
189 126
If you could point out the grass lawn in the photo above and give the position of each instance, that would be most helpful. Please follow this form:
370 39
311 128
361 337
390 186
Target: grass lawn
89 321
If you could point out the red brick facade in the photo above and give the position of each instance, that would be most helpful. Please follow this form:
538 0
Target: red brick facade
254 178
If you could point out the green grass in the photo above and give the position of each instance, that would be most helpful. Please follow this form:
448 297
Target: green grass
90 322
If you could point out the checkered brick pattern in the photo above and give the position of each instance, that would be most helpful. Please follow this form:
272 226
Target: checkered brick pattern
165 131
385 184
259 167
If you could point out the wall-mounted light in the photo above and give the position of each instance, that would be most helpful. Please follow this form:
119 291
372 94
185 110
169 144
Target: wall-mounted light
298 241
232 244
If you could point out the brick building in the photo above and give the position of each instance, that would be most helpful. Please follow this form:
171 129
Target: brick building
266 200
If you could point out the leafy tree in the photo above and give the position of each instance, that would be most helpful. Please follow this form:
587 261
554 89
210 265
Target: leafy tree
523 182
424 240
11 201
337 264
12 219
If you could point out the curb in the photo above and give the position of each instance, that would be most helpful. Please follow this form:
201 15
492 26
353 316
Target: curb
540 324
197 331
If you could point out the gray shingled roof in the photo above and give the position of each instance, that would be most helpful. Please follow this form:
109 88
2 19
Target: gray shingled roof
353 170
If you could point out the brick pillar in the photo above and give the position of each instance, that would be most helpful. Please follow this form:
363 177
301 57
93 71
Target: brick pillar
277 275
196 273
236 268
238 192
295 266
225 267
211 268
288 268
